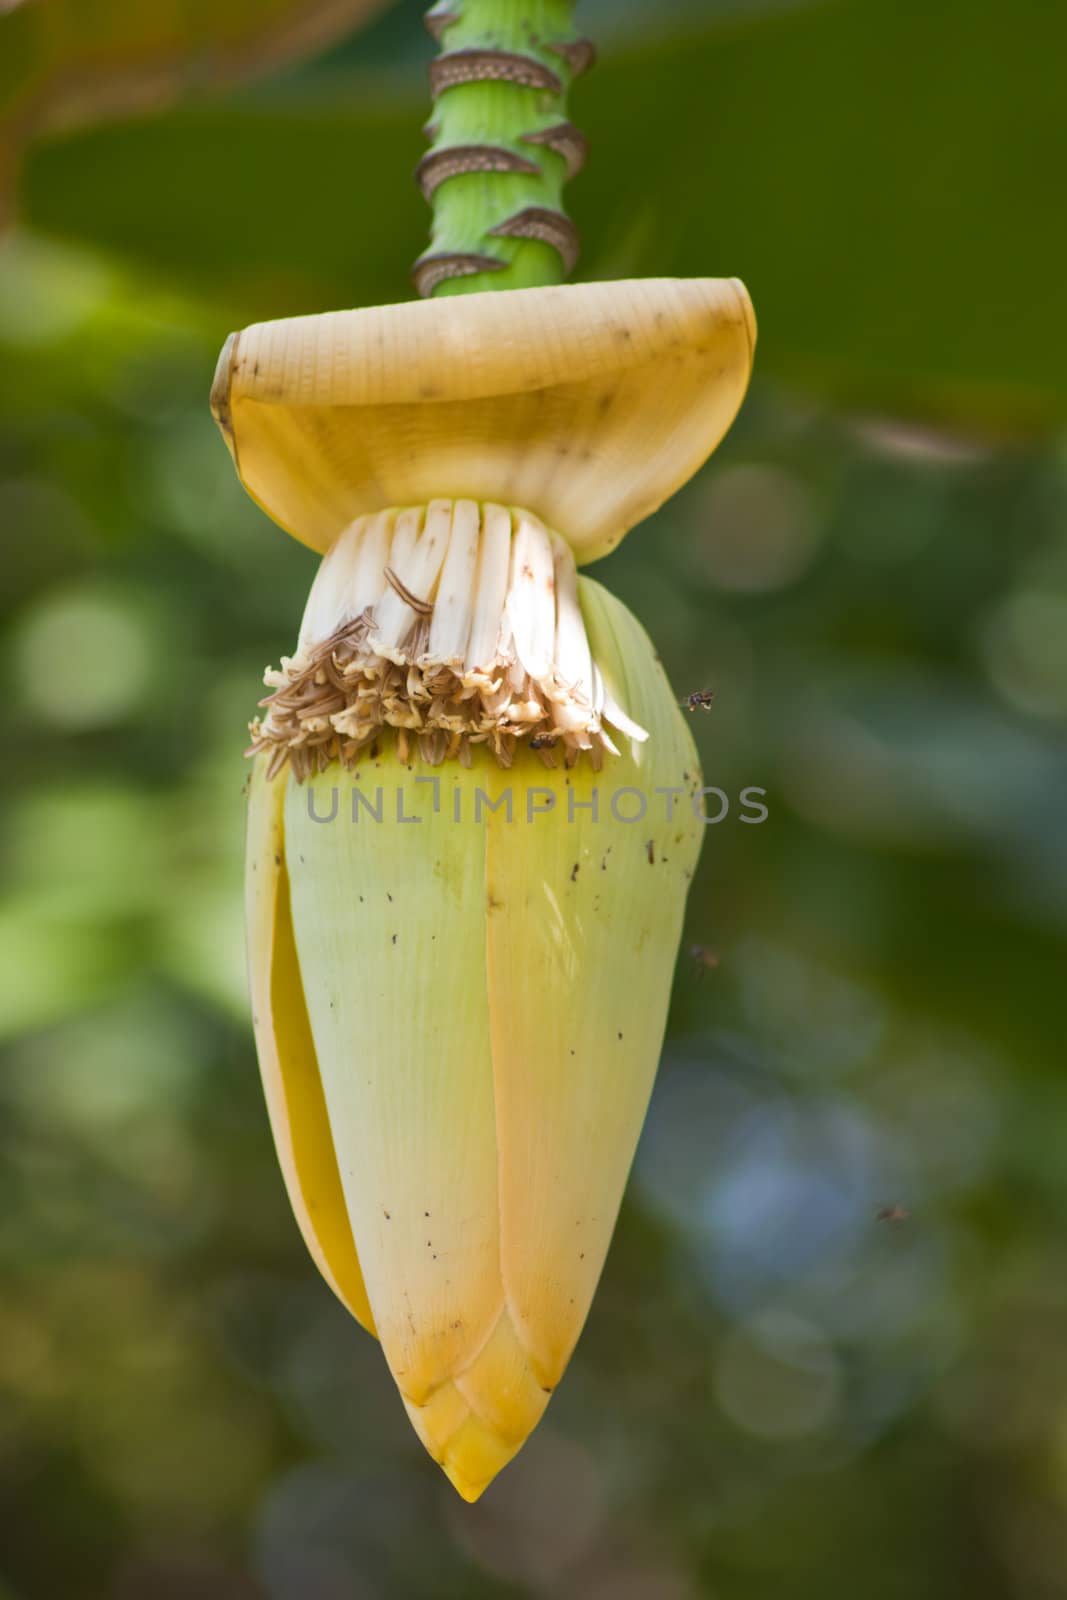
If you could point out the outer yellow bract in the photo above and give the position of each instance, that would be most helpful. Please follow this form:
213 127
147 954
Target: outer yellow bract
588 404
459 1017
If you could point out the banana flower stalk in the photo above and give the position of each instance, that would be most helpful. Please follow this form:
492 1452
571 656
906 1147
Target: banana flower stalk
475 804
472 821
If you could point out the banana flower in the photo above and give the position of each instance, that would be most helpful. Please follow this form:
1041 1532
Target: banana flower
475 807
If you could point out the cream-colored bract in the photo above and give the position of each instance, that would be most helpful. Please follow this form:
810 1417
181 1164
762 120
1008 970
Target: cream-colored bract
587 404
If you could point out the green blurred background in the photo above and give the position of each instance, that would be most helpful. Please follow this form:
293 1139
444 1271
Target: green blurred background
778 1395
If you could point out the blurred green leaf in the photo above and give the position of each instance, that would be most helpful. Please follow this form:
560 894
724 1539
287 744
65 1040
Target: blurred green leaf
67 62
879 171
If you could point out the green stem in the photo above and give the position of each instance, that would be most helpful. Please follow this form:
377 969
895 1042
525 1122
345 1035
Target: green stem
502 147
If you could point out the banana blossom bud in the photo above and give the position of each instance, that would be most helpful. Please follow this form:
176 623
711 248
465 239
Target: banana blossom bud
474 808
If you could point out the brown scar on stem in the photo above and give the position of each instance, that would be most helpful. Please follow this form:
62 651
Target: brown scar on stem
474 65
579 54
430 270
437 166
549 227
566 140
438 19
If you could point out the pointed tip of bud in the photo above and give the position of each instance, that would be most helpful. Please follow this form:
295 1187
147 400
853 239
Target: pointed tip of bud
474 1457
469 1450
475 1423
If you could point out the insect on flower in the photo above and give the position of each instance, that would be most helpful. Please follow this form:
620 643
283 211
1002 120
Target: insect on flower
703 958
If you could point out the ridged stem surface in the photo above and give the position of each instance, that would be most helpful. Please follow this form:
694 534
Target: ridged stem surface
502 146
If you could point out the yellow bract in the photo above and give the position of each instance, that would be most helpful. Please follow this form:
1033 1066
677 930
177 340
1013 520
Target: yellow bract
287 1061
588 404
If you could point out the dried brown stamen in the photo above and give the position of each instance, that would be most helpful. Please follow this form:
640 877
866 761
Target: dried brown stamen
423 607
